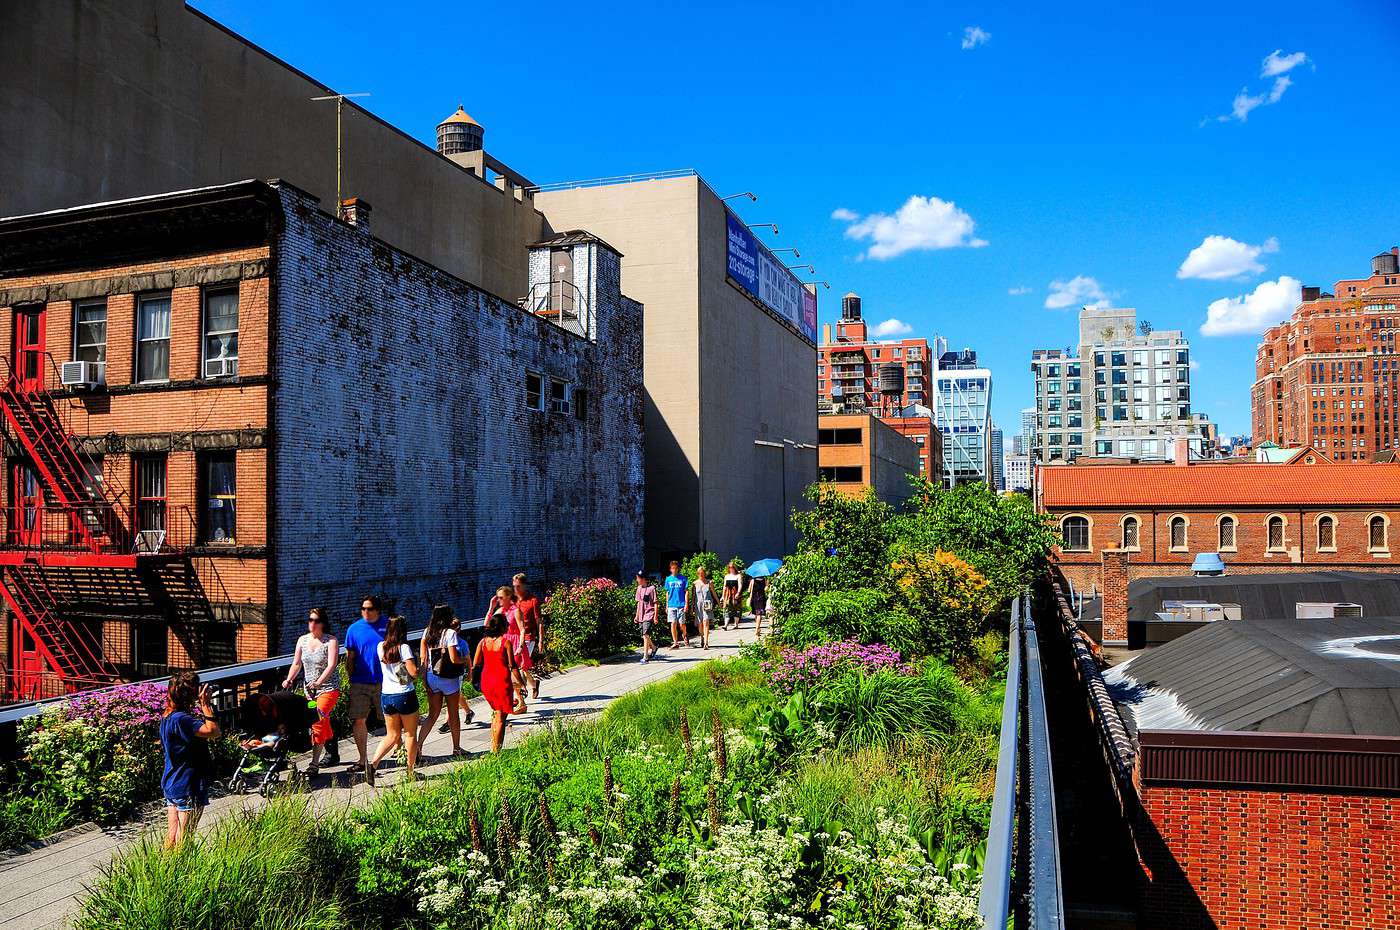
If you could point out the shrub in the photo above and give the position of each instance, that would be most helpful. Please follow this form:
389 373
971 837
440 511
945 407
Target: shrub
706 560
591 618
948 599
795 670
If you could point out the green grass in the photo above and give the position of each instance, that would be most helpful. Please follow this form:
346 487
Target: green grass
734 687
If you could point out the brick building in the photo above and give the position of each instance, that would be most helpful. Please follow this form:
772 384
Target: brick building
277 410
1328 377
1259 517
858 450
856 372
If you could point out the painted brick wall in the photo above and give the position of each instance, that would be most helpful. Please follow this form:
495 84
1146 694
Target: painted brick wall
1262 860
405 461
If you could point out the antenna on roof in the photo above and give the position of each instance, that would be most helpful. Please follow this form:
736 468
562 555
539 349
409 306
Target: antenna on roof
339 105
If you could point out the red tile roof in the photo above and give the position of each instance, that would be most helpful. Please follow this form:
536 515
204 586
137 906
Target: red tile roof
1066 487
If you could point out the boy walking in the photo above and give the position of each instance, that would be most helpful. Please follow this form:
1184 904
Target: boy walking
677 589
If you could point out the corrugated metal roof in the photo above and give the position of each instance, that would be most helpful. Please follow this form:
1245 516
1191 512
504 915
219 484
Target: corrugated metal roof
1246 484
1269 675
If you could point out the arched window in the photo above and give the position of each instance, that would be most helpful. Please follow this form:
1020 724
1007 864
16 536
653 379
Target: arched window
1227 534
1379 535
1276 532
1326 533
1130 532
1178 532
1075 531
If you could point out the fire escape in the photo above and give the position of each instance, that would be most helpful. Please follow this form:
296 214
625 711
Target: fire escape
75 553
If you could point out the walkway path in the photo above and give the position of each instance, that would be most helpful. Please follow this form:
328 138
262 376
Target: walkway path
39 888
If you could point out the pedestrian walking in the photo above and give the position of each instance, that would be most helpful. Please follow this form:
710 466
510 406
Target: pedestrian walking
362 668
702 601
317 659
677 589
184 742
398 699
439 656
504 603
527 612
493 658
646 613
732 598
758 602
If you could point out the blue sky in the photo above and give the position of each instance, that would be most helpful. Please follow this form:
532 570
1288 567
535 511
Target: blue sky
1066 141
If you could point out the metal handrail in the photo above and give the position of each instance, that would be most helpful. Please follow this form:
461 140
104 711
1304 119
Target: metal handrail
1023 827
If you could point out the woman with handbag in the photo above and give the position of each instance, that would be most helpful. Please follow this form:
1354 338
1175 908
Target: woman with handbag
398 697
438 653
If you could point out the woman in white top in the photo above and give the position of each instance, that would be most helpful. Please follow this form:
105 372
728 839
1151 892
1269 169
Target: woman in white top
702 602
317 658
398 698
443 666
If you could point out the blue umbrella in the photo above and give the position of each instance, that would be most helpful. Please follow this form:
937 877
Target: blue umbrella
763 568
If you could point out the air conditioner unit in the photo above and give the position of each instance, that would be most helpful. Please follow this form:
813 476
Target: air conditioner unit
83 374
220 367
1314 610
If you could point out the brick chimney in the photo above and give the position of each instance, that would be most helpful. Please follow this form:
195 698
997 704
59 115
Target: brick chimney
1181 451
355 211
1115 597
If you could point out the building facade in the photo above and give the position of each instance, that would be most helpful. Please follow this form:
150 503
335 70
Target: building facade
857 451
731 429
1328 376
1018 473
1258 517
228 406
916 424
998 459
963 410
855 372
1123 391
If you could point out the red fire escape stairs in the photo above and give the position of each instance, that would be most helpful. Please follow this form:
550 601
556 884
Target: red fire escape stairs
81 530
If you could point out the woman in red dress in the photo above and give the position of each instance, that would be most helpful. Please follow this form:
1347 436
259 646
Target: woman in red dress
493 657
505 602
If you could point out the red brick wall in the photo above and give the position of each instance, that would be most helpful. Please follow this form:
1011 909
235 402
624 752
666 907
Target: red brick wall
1265 860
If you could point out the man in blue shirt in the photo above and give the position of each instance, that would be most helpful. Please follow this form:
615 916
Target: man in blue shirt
362 666
677 585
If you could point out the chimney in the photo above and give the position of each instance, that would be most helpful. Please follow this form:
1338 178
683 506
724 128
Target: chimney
826 334
1114 585
1181 451
1311 292
355 211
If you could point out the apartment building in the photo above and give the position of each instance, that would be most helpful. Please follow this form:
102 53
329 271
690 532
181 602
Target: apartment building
226 406
857 451
1124 390
963 410
856 372
1328 376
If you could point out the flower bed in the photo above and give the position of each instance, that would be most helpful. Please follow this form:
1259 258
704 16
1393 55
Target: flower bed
795 670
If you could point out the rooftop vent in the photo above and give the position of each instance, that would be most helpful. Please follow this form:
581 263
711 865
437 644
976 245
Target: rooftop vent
1317 610
1208 564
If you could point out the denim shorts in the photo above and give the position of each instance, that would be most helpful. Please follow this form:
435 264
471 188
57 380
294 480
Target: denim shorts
192 803
675 614
405 703
444 685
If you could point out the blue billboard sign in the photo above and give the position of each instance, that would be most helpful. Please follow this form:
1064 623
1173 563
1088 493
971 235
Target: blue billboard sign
760 275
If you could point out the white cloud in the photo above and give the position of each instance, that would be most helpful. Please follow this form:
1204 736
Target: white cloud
1220 257
922 223
974 36
1276 63
1018 291
893 327
1267 305
1080 289
1193 365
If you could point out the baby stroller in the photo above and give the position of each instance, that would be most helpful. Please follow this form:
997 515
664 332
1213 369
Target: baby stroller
277 726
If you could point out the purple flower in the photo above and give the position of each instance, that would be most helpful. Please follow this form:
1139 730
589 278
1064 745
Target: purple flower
794 669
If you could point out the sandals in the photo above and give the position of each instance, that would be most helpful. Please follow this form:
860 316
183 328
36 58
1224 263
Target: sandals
369 775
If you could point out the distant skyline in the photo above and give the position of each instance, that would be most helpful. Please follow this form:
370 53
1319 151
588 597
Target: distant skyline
977 173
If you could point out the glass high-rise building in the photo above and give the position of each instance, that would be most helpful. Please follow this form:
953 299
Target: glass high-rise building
963 409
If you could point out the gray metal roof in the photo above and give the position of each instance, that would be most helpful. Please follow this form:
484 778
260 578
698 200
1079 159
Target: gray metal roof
1273 595
1269 675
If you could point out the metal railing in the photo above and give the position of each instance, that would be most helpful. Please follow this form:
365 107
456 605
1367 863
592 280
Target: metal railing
618 179
1021 884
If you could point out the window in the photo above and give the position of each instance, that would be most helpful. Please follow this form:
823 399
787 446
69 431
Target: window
150 493
1326 534
559 396
90 331
580 404
839 437
534 391
1178 533
221 333
1226 534
153 339
220 644
842 474
1275 533
1075 531
1130 532
219 484
1379 540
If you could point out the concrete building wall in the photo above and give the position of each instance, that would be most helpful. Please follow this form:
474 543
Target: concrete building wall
407 462
720 373
108 99
894 459
885 458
